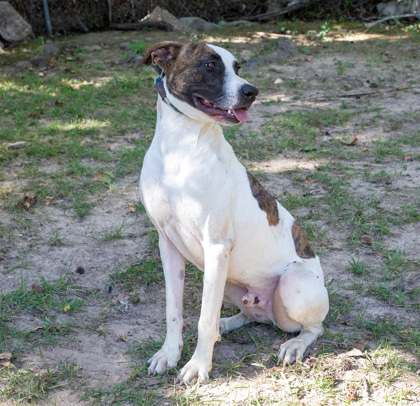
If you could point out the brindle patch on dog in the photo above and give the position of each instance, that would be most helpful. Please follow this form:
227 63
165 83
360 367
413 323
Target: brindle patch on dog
266 202
190 75
302 246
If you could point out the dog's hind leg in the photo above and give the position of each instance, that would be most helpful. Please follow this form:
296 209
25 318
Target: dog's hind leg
237 321
300 304
174 269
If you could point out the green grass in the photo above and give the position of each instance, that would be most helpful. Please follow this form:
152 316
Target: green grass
45 301
70 119
25 387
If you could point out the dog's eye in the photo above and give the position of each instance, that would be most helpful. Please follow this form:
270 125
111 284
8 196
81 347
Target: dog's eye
211 65
236 68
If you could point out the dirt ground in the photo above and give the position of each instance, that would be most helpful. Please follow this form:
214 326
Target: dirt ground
374 76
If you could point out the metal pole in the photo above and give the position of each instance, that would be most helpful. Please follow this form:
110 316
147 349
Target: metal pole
47 18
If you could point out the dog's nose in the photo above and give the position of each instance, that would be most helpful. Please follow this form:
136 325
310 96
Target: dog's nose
249 91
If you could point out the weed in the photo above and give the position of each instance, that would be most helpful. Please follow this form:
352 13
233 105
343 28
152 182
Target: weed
56 240
358 267
118 233
323 32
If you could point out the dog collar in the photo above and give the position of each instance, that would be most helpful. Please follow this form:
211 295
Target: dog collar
161 88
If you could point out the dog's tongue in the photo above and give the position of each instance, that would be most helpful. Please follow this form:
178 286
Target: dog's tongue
241 114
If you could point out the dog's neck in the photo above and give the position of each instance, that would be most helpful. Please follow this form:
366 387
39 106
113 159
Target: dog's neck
175 129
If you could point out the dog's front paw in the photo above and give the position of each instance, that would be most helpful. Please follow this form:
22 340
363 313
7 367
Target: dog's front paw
165 358
291 351
195 370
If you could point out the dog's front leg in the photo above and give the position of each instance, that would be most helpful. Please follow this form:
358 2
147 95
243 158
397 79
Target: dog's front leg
174 269
216 264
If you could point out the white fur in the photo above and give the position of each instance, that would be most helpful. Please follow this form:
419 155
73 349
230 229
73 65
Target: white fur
198 196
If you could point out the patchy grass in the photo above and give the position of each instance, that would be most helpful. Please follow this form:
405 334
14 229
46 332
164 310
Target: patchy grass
336 141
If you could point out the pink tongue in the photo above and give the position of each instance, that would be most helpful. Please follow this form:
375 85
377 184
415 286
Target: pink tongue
241 114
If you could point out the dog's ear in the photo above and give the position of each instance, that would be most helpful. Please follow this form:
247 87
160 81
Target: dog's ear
161 53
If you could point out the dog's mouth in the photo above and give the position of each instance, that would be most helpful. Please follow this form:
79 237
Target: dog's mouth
233 115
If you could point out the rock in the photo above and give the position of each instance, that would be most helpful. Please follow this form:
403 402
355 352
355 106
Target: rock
13 27
285 50
223 24
393 8
51 49
198 24
40 61
160 15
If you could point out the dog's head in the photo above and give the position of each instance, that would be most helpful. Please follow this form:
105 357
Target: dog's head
204 78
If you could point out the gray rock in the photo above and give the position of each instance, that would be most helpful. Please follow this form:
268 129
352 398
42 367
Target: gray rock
223 24
13 27
163 16
285 50
197 23
393 8
40 62
51 49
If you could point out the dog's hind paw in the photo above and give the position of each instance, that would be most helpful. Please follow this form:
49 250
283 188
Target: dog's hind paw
291 351
163 360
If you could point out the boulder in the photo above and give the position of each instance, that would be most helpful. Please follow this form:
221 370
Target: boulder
13 28
394 8
198 24
160 15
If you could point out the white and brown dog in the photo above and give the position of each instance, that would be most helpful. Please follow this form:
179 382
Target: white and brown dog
210 211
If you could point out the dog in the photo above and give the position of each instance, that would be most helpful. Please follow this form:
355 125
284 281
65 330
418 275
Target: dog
209 210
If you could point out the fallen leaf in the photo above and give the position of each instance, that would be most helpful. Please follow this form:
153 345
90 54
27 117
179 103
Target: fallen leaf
366 240
49 200
345 141
53 61
67 308
361 344
5 358
408 158
28 200
123 337
365 149
405 331
37 288
131 208
105 177
34 115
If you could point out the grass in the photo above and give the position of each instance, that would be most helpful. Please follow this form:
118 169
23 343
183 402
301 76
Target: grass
88 122
23 386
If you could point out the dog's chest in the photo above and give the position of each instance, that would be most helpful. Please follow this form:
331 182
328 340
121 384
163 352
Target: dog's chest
180 191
